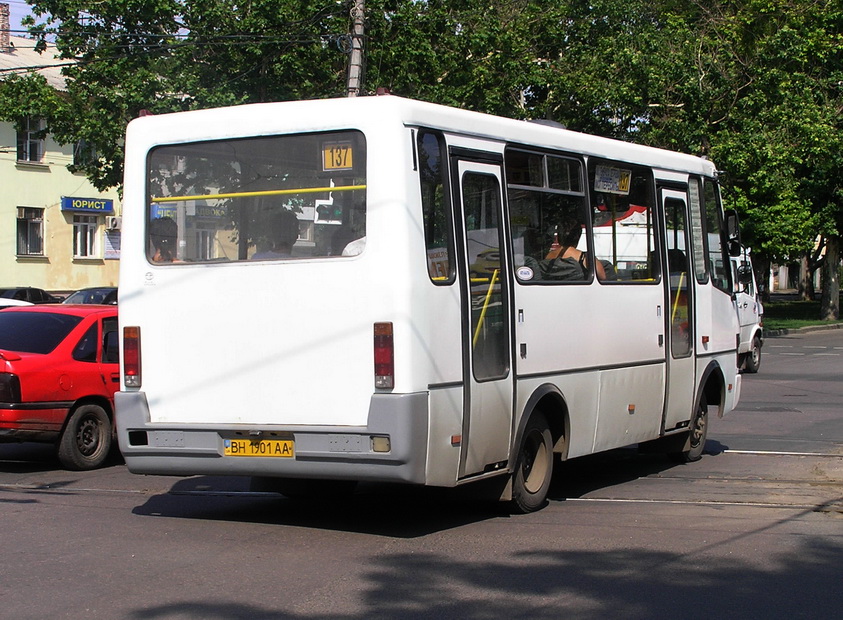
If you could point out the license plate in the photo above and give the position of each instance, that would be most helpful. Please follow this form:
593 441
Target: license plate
283 448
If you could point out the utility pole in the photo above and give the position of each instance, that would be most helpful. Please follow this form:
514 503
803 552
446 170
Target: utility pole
355 61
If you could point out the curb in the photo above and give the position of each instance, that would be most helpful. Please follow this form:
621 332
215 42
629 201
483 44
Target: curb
775 333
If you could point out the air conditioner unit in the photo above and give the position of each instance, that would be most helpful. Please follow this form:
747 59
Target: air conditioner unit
113 222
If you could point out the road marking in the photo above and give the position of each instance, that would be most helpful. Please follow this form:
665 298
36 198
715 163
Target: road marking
793 354
827 354
783 453
784 346
696 502
813 347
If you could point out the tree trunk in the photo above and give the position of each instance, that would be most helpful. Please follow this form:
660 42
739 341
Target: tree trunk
762 266
806 280
830 306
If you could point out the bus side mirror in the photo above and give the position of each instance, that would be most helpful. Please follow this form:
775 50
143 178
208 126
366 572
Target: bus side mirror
745 274
733 232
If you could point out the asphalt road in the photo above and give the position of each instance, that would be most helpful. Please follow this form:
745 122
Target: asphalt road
753 530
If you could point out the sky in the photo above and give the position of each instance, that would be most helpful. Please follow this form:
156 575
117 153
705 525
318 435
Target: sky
18 9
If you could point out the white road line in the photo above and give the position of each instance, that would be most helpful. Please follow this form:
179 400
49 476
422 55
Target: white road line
775 453
792 354
813 347
693 502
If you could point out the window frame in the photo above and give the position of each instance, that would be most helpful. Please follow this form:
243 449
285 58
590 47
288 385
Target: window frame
443 211
545 190
86 233
23 241
592 162
31 138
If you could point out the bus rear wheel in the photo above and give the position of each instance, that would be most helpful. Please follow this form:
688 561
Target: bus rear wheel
533 467
695 443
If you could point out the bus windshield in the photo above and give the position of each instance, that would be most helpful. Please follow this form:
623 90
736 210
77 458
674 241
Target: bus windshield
265 198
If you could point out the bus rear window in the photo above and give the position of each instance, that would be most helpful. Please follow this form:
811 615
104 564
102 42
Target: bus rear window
254 199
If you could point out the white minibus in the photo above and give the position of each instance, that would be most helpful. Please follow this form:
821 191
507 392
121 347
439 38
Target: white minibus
317 293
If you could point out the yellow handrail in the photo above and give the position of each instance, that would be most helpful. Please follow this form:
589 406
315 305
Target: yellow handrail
483 312
269 192
676 301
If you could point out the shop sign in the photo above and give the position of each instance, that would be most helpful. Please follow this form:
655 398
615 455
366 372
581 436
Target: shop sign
87 205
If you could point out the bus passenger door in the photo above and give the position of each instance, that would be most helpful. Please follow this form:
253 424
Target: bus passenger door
487 364
679 310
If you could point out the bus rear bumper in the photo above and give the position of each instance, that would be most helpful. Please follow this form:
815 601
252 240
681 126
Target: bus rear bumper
324 452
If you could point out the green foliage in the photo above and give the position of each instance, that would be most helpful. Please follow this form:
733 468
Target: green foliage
171 55
754 84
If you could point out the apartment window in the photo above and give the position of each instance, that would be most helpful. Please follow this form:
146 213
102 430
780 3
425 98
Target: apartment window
30 231
84 236
31 140
83 153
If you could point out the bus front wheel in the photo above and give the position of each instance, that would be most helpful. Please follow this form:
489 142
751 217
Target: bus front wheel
533 467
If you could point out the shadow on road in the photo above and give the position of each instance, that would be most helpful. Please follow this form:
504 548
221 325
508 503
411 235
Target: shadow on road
395 510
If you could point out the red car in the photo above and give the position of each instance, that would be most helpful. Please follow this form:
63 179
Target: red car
58 374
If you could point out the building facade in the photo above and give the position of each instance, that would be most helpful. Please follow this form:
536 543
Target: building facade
57 231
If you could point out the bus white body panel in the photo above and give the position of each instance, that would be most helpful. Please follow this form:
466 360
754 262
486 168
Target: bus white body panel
234 347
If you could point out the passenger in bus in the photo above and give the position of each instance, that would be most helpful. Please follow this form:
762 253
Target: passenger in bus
163 234
565 261
283 230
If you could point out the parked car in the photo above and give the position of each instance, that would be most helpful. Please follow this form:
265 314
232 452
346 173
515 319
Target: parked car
94 295
30 294
5 302
58 374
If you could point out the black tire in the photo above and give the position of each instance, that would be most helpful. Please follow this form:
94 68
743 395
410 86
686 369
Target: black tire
753 358
533 467
86 440
304 488
695 442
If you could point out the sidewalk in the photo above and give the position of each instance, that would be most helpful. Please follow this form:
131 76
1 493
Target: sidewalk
775 333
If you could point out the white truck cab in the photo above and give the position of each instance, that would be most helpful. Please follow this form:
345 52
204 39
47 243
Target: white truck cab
750 313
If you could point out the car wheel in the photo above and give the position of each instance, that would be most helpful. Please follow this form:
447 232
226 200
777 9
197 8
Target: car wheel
533 467
86 440
753 358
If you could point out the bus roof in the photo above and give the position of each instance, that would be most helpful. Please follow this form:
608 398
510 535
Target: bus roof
331 114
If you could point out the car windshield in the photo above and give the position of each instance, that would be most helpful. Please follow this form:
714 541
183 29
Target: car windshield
34 332
92 296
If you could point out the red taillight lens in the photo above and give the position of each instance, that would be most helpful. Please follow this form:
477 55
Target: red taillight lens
131 357
384 356
9 388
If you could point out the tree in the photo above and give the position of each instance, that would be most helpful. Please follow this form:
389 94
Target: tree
172 55
753 84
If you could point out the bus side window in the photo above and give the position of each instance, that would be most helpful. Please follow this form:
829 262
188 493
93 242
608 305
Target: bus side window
717 256
623 223
436 209
548 216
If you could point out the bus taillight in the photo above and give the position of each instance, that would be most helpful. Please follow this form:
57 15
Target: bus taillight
384 356
131 357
